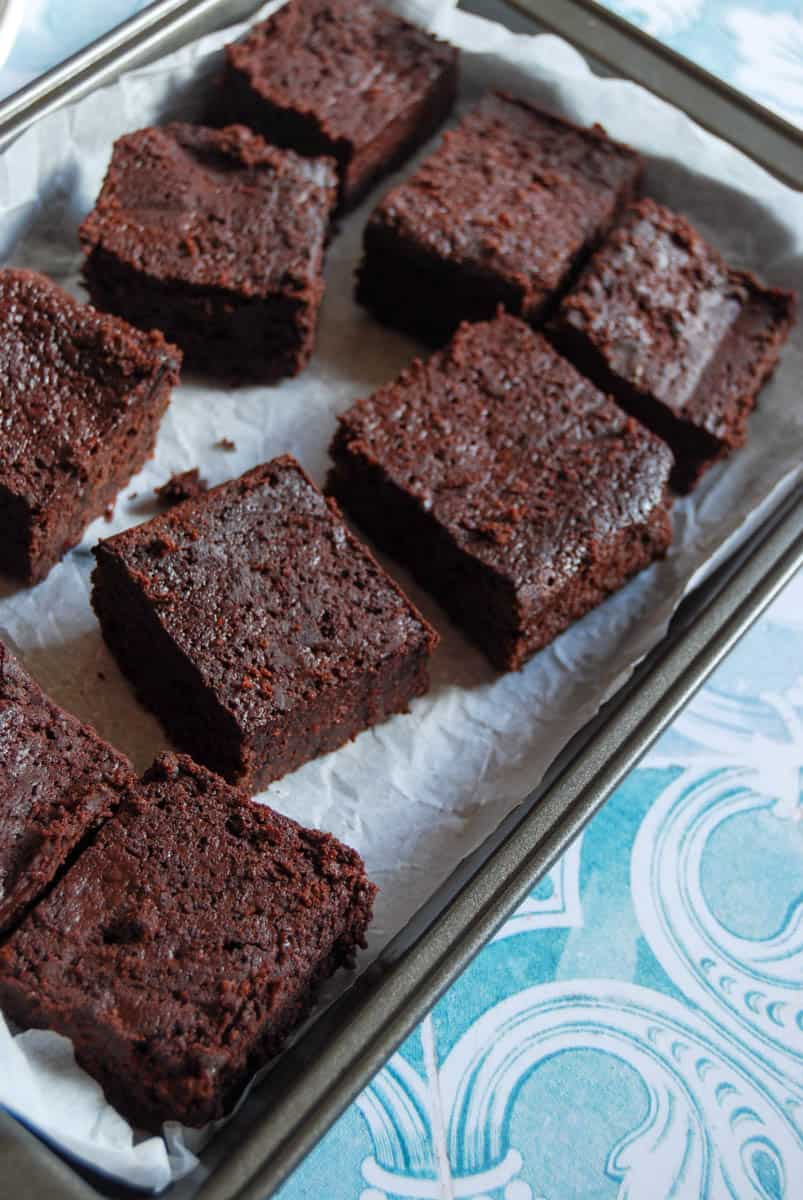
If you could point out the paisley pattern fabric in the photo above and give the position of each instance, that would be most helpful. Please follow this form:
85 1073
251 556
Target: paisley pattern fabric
636 1029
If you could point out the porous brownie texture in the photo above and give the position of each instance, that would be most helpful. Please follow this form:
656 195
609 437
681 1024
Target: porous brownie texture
216 238
183 945
343 78
503 212
81 398
58 782
256 627
517 493
681 340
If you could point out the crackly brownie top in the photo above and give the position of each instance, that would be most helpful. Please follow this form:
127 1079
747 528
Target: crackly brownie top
68 378
518 456
144 930
214 208
56 778
512 190
656 301
262 586
352 65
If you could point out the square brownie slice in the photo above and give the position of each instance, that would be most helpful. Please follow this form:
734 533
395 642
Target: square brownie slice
216 238
343 78
81 398
682 341
503 212
256 627
515 492
58 781
179 949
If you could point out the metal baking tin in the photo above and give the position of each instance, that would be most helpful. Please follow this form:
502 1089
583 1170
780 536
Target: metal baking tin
328 1065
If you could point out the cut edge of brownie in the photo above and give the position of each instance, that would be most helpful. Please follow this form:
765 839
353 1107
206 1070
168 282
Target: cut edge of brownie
210 323
170 684
52 839
152 1079
411 288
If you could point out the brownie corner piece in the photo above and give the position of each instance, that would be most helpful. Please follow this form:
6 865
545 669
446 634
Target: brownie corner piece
82 395
344 78
682 341
256 627
58 782
229 264
517 493
174 991
503 212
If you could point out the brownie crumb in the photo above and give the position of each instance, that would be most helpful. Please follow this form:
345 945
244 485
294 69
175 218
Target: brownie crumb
183 485
225 444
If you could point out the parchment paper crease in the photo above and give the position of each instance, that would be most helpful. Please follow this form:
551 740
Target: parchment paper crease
417 794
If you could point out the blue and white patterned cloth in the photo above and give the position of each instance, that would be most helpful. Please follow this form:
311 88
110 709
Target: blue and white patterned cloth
636 1028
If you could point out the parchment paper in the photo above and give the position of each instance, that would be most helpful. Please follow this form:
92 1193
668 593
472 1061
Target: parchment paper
418 793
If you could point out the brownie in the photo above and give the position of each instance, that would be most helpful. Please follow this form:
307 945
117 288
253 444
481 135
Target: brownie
682 341
516 493
216 238
81 398
342 78
503 212
256 627
179 949
58 782
182 486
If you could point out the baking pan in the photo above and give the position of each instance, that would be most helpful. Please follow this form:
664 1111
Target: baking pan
330 1063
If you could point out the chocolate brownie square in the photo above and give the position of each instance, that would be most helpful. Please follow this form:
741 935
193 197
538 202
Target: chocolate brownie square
342 78
81 398
256 627
216 238
503 212
58 782
183 945
515 492
682 341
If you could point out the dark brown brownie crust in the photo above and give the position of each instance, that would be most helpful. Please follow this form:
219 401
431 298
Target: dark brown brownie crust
182 946
342 78
256 627
58 782
516 493
81 398
503 212
216 238
682 341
